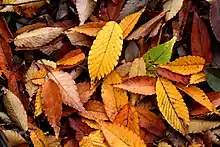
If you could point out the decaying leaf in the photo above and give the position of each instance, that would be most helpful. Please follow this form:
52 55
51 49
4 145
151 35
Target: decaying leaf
15 109
141 85
171 105
197 126
186 65
14 138
105 51
38 37
119 135
52 104
138 68
128 116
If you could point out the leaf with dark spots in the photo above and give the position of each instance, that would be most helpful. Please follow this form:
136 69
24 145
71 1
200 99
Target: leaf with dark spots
200 39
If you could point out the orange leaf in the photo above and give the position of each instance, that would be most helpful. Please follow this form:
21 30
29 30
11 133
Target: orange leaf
52 104
38 77
128 116
84 91
141 85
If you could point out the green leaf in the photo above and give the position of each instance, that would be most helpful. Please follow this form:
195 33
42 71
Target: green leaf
213 78
160 54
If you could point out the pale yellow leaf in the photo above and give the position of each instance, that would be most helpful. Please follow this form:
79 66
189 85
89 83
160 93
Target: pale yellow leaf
14 138
197 78
105 51
171 105
138 68
90 28
185 65
197 126
120 136
127 24
37 37
15 109
38 104
172 7
84 9
68 89
47 63
198 95
95 139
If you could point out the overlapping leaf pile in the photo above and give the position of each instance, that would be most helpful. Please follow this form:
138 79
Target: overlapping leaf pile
122 73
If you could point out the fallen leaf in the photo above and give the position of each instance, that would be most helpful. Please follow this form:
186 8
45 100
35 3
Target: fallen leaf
85 9
213 78
185 65
171 105
138 68
38 77
123 69
4 30
141 85
84 91
103 57
38 104
15 109
114 9
131 51
214 19
197 78
37 37
14 138
38 138
200 39
172 7
118 135
113 78
52 104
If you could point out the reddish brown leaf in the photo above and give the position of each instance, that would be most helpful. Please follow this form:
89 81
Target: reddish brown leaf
114 10
4 30
173 76
5 52
214 18
200 39
84 91
52 104
150 121
81 128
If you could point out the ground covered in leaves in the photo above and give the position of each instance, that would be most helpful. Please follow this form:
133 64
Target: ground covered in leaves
109 73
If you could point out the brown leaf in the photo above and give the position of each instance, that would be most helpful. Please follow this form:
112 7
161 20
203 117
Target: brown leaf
214 19
4 30
81 128
150 121
84 91
114 10
173 76
141 85
14 138
200 39
52 104
128 116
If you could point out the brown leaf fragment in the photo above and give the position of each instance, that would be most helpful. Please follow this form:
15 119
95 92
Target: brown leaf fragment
14 138
4 30
128 116
200 39
114 9
52 104
124 69
141 85
81 128
173 76
131 52
150 121
94 111
214 19
84 91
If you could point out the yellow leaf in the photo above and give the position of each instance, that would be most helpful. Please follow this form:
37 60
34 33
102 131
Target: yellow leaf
120 136
47 63
38 77
91 28
198 95
186 65
128 116
113 78
171 105
95 139
91 123
113 99
197 78
164 144
38 138
38 104
72 58
105 51
128 23
138 68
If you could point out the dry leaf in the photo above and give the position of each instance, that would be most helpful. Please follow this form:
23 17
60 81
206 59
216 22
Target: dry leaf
38 138
94 111
38 77
140 85
38 104
118 135
85 92
68 89
172 7
37 37
127 24
197 78
52 104
128 116
85 9
47 63
185 65
15 109
14 138
171 105
124 69
95 139
105 51
90 28
138 68
113 98
197 126
91 123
